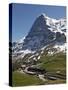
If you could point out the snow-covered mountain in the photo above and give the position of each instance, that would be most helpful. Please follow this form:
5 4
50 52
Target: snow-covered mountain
45 33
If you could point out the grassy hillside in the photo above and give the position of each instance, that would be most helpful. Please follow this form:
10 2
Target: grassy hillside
54 63
20 79
51 64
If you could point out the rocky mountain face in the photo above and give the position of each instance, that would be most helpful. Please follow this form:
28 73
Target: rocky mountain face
46 35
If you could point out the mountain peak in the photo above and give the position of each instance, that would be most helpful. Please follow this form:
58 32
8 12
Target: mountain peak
44 31
42 15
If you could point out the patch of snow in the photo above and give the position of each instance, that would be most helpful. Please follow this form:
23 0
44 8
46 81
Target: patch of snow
22 55
21 40
55 20
25 51
31 56
50 52
38 57
60 47
43 47
34 58
42 52
56 25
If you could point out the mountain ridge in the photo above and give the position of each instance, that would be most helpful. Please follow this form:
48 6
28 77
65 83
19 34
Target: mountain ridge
44 31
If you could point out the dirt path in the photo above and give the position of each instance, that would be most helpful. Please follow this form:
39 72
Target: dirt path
41 77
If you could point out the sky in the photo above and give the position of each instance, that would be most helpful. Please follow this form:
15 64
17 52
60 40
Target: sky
24 15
